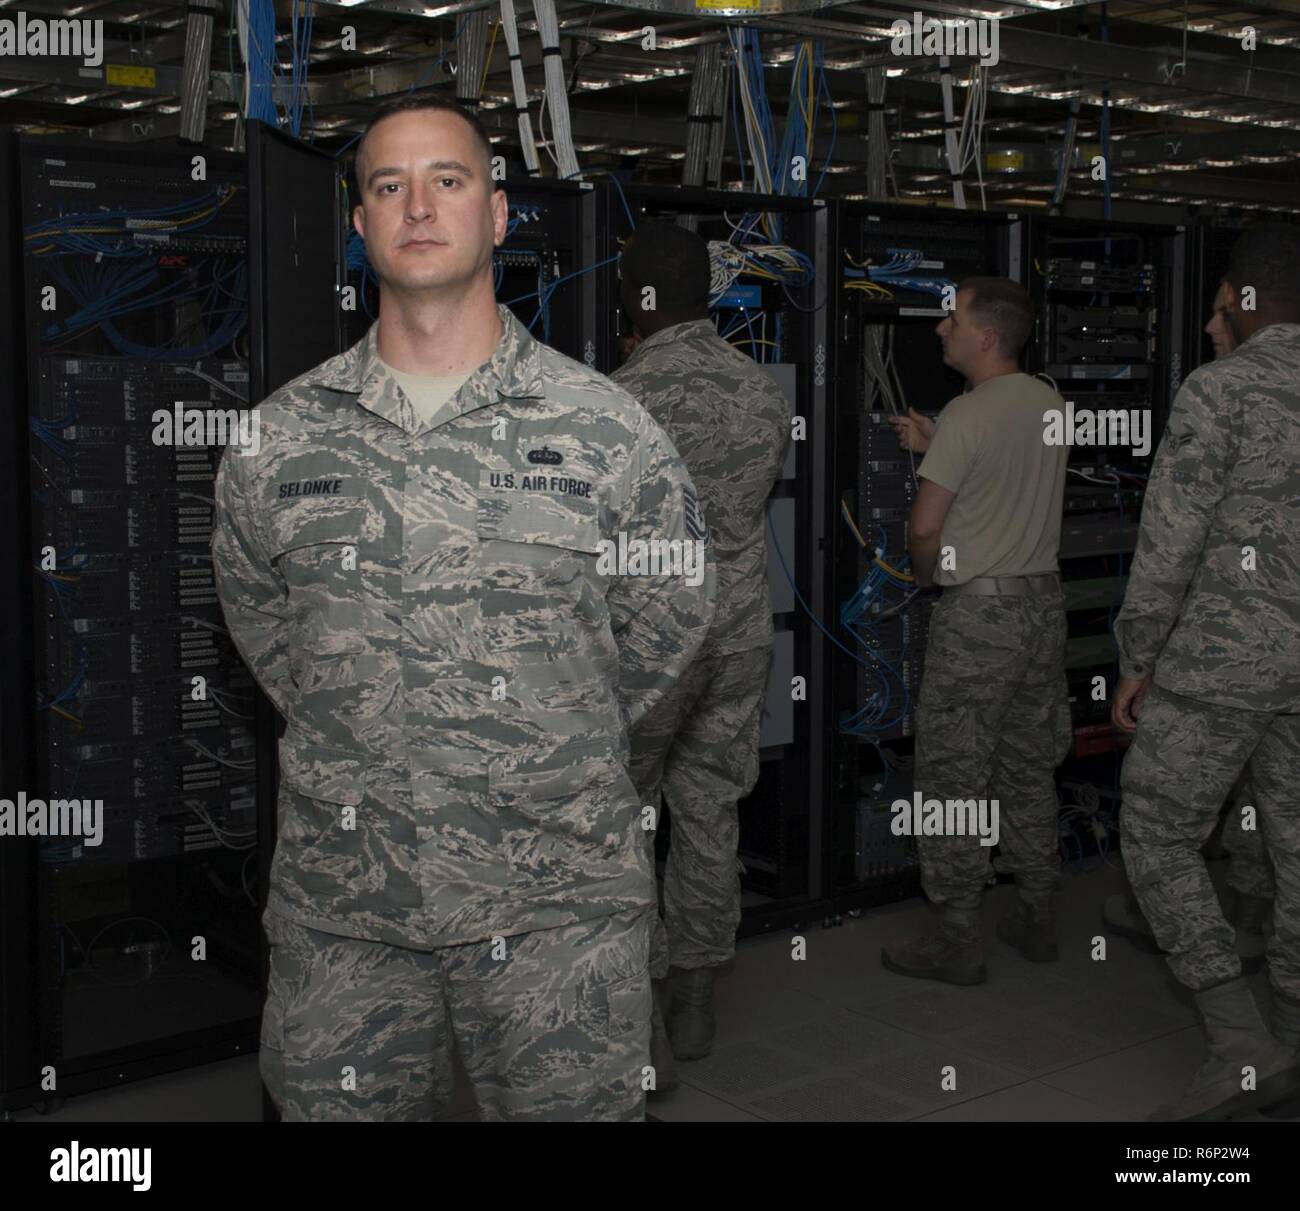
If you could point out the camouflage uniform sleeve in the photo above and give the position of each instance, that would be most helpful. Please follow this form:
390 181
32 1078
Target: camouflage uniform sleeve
1188 479
253 595
658 621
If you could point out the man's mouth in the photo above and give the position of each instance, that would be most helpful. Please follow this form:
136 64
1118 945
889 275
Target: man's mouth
422 244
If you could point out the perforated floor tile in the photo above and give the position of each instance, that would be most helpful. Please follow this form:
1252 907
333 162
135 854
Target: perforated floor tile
834 1099
917 1076
1029 1044
935 1010
739 1070
844 1038
1118 1021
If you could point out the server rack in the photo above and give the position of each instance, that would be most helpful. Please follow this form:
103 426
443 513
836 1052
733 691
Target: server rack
133 288
782 820
19 938
896 276
1112 329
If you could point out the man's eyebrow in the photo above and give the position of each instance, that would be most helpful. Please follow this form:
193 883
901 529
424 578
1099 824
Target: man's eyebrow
432 166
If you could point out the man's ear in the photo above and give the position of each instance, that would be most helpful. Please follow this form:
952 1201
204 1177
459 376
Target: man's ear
500 216
359 220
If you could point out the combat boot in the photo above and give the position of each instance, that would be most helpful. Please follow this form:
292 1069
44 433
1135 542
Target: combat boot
690 1021
1237 1038
953 954
661 1052
1033 934
1122 917
1249 914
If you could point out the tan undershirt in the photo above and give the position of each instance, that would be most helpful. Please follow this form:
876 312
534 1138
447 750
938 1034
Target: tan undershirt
430 394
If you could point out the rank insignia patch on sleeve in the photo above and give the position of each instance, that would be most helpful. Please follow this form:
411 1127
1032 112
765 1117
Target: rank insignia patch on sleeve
696 526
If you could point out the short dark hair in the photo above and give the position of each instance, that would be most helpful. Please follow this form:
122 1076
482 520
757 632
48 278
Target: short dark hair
1267 257
1005 307
413 104
672 260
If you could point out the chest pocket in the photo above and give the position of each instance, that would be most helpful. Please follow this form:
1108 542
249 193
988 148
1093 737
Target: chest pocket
335 556
537 564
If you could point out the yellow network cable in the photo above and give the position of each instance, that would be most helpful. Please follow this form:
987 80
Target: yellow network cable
487 60
844 509
893 571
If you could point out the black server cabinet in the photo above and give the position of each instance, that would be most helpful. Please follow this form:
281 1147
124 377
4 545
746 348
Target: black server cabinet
1112 302
896 271
19 936
779 314
297 220
133 289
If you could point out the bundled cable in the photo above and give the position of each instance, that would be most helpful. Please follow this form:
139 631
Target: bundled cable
471 57
777 263
557 97
899 271
950 133
526 141
860 615
256 24
702 112
300 46
877 134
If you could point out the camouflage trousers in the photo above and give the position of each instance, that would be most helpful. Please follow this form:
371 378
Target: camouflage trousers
1185 757
1249 869
550 1025
699 748
993 721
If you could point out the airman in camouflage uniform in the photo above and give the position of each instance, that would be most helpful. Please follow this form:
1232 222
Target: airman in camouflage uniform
699 747
992 715
1250 876
460 849
1209 641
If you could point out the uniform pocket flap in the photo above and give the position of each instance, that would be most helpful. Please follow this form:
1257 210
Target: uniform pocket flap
320 772
307 523
565 771
546 518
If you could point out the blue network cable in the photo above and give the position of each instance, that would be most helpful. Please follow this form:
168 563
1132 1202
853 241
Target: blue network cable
875 716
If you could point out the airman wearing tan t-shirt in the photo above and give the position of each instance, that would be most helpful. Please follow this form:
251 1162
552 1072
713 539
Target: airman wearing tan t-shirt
992 716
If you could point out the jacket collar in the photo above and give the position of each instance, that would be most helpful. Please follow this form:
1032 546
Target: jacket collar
1274 332
671 335
514 371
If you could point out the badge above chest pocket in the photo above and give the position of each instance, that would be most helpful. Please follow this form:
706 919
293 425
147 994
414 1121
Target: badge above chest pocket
336 555
539 538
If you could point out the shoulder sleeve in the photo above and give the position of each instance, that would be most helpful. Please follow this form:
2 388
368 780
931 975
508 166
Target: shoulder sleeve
659 621
953 448
1188 480
253 595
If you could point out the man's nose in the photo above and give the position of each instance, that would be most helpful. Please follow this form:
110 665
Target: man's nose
419 204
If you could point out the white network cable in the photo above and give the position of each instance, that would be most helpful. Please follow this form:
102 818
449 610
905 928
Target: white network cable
207 378
753 128
251 763
548 29
951 148
526 141
970 143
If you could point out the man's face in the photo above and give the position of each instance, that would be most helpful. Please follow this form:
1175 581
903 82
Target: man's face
428 212
1218 329
963 339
